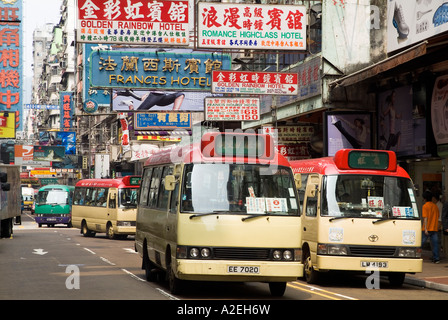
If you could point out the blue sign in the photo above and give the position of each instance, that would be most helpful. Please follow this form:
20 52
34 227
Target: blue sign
155 70
162 120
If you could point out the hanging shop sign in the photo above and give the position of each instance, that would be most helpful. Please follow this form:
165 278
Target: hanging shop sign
232 109
251 26
155 70
162 120
66 110
245 82
11 71
137 22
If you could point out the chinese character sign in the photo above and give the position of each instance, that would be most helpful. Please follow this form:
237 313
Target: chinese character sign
251 26
133 22
66 110
162 121
232 109
177 71
11 59
246 82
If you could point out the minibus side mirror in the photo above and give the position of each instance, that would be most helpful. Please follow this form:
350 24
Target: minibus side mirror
298 180
170 182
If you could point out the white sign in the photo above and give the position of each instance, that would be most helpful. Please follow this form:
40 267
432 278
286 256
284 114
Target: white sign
409 22
251 26
232 109
247 82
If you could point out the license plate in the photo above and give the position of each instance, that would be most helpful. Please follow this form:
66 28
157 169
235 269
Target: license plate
243 269
51 219
374 264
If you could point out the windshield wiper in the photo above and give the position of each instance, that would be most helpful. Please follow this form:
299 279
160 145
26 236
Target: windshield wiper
209 213
266 214
394 218
343 217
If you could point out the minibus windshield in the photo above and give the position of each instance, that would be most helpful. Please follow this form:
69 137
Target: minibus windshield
238 188
368 196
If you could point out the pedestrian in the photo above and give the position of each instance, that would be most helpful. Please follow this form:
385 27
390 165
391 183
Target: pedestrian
430 215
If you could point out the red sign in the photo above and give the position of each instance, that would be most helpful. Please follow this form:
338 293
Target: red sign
247 82
133 22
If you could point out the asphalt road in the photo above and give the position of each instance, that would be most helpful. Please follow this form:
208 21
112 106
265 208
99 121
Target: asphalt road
60 264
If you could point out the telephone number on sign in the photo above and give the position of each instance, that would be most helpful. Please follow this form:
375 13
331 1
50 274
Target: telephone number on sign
243 269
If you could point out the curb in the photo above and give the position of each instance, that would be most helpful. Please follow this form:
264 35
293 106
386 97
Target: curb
426 284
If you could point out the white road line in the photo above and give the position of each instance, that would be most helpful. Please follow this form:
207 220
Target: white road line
166 294
89 251
107 261
133 275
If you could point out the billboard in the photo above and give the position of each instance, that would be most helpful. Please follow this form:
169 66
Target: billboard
155 70
251 26
162 23
11 71
351 130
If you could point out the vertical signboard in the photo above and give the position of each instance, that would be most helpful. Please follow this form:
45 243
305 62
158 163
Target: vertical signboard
66 105
11 59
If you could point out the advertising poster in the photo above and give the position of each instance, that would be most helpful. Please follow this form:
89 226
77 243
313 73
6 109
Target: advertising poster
158 22
401 122
351 130
439 110
409 22
49 153
145 100
251 26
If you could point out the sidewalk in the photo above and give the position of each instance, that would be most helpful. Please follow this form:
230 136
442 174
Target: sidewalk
434 275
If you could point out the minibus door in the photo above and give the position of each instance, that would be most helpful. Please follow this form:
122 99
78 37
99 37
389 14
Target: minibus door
311 212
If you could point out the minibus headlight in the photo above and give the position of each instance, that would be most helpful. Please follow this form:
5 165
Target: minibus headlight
287 255
407 252
277 255
205 253
194 252
331 249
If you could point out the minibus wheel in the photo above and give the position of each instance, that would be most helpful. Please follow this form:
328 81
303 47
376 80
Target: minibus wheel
85 231
311 275
175 284
110 231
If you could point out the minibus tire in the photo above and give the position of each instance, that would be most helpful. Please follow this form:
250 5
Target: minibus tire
175 284
277 289
110 231
311 276
85 231
148 266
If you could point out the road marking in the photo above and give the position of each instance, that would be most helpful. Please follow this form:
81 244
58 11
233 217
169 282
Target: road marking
166 294
319 292
133 275
129 250
40 252
107 261
89 251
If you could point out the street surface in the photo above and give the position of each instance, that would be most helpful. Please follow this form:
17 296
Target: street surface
44 264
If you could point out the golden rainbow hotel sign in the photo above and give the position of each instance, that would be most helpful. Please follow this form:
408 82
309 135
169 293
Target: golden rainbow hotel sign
181 70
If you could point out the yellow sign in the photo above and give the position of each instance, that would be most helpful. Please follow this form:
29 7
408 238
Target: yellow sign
7 125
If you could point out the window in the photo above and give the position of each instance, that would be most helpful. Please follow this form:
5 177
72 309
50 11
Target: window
164 194
146 182
154 188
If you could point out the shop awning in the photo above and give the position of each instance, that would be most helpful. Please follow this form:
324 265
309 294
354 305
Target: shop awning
382 66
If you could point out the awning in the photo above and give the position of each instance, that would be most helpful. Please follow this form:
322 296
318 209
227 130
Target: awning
382 66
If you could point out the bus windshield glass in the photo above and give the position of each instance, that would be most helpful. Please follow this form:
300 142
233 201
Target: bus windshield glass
52 196
238 188
368 196
127 197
